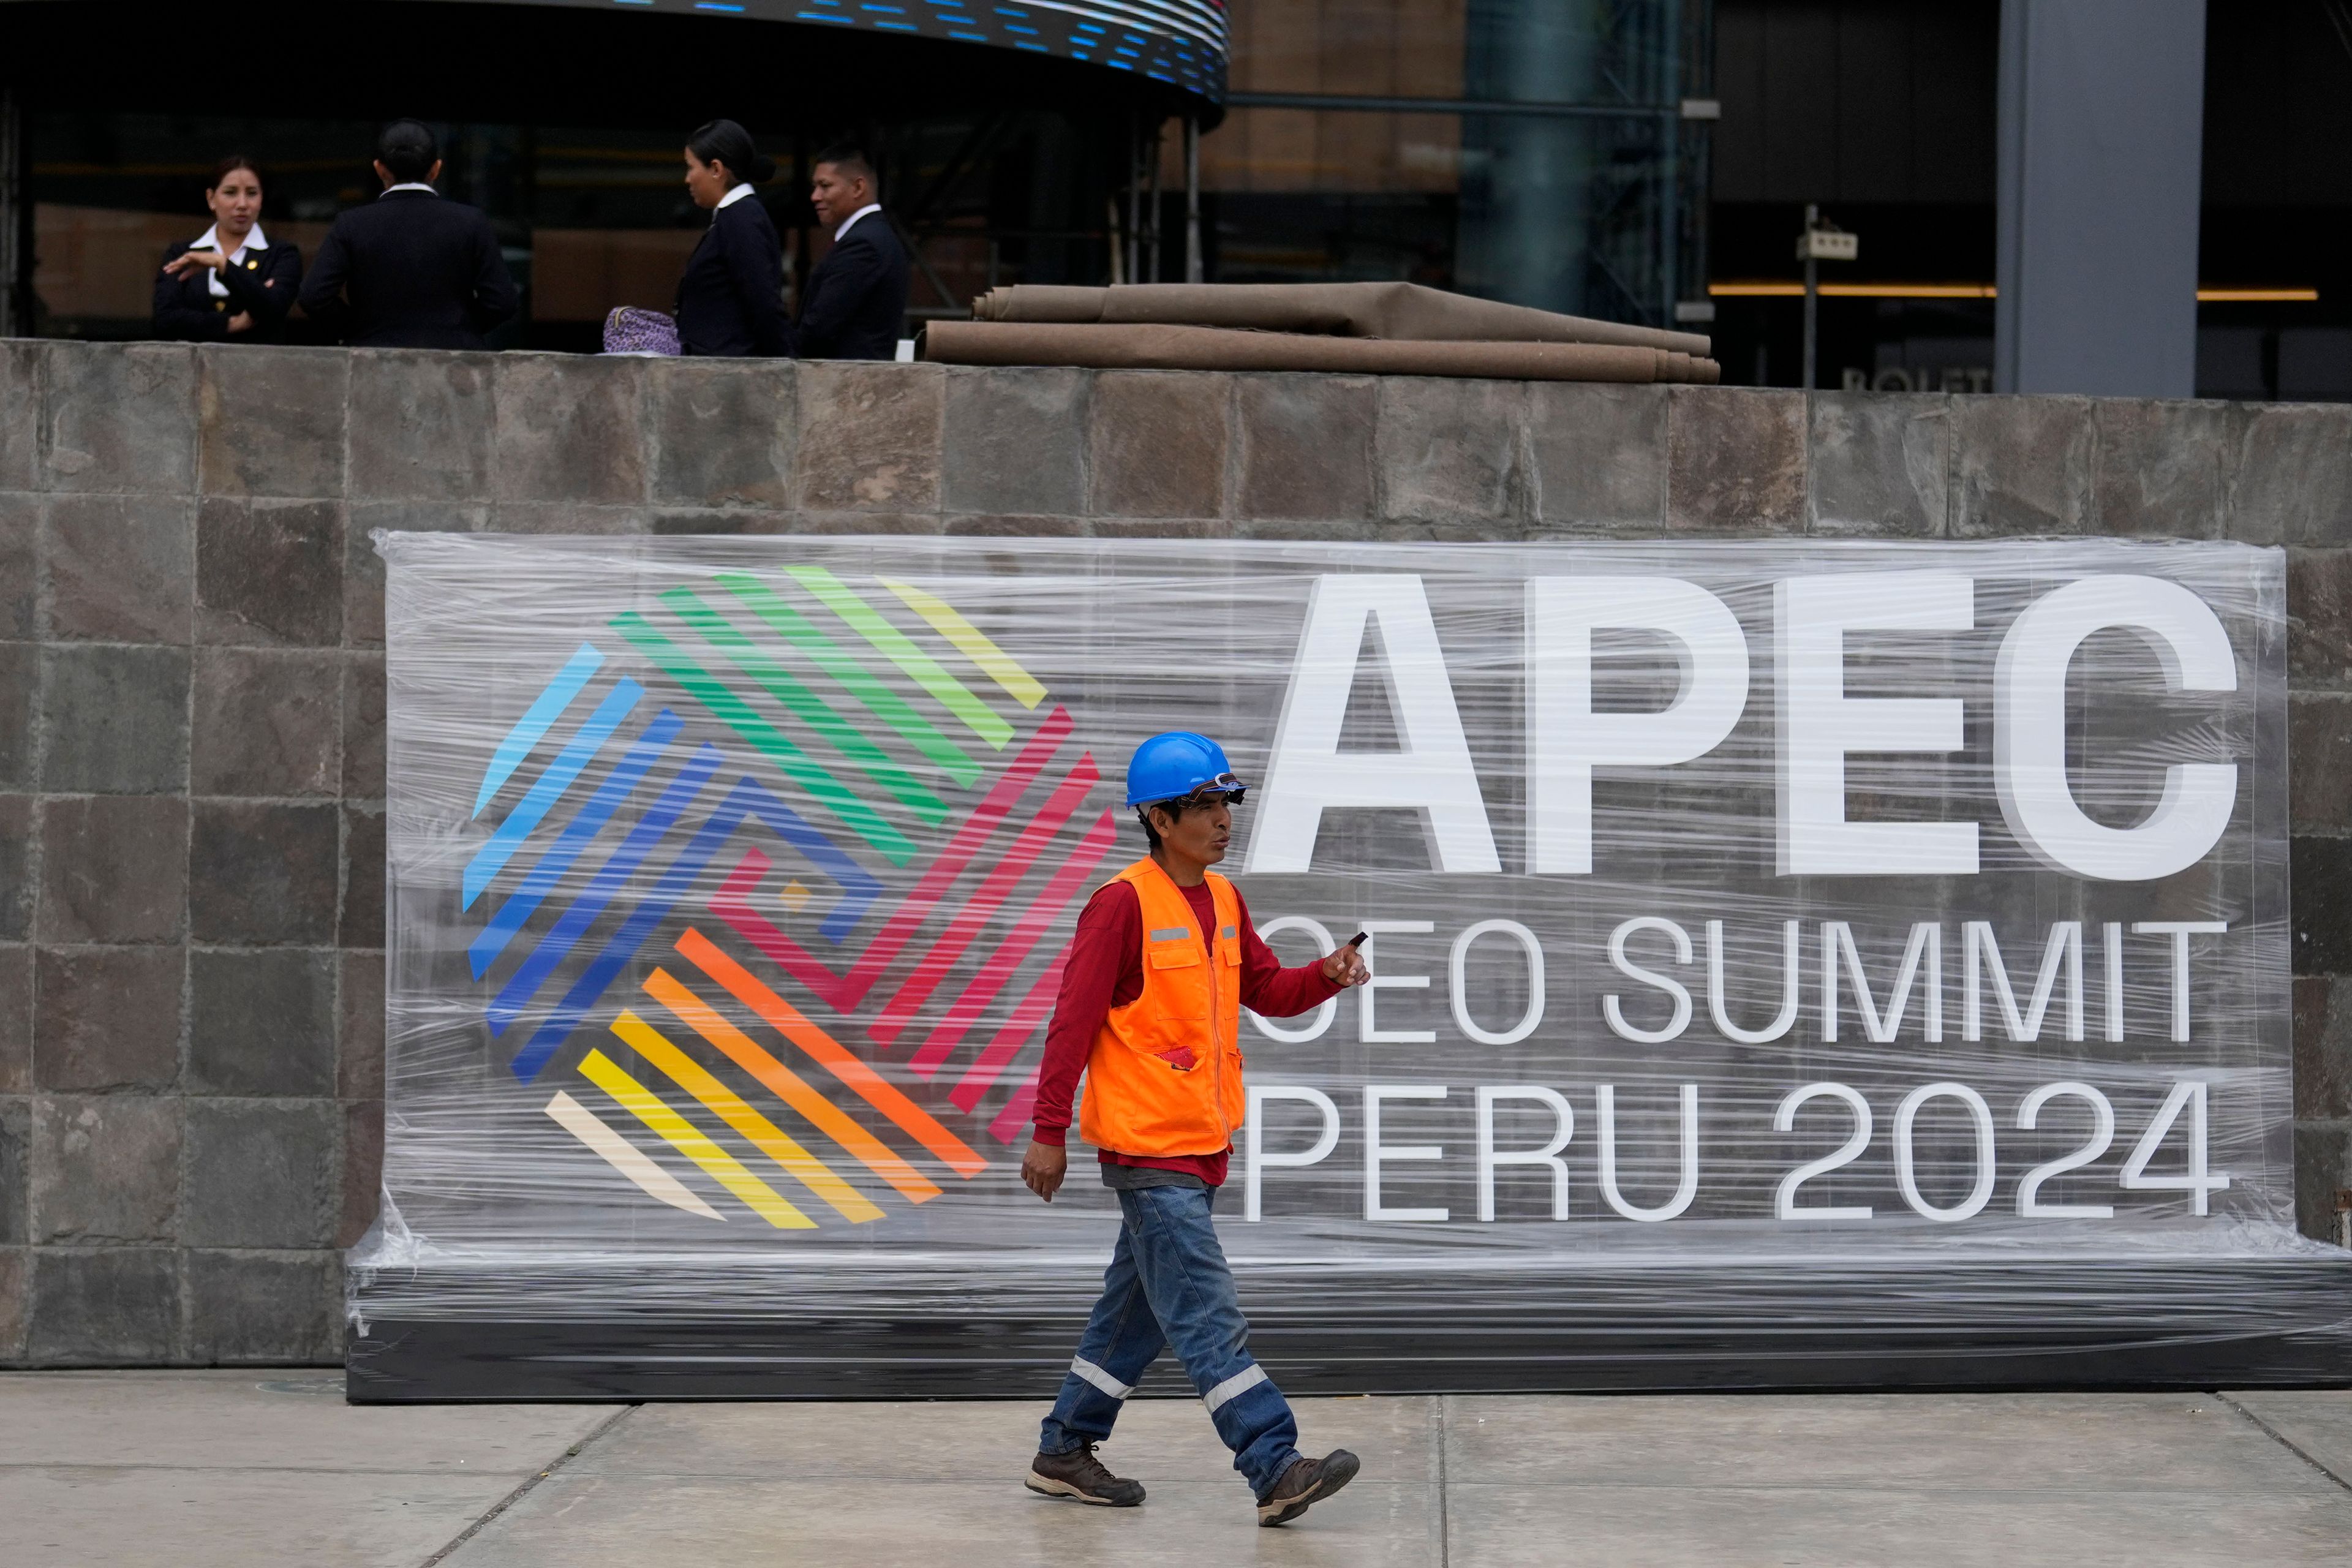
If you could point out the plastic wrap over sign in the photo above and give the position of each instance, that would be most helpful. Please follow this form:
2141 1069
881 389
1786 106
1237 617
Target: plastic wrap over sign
1774 945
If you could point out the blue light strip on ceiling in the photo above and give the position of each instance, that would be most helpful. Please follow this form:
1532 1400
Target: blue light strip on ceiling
1181 43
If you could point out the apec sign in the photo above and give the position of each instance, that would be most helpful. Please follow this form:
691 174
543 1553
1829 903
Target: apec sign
1727 900
1817 725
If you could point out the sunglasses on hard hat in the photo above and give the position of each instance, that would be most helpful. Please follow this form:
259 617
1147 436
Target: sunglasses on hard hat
1224 789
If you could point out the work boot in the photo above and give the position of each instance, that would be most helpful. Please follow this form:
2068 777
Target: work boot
1078 1474
1307 1481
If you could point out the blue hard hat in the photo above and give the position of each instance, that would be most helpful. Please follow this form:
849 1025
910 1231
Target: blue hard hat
1173 764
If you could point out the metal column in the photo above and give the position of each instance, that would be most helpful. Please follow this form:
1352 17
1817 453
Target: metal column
1193 200
2100 165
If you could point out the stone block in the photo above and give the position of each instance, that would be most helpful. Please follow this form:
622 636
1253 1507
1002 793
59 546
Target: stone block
265 1308
2291 482
261 1175
15 1018
266 723
721 432
106 1168
114 721
2163 467
359 1005
108 1018
2319 777
2323 1048
262 875
119 568
363 566
422 425
19 835
2322 1162
270 420
23 372
2022 466
1015 441
567 517
2320 870
1881 465
1735 461
1453 452
568 428
16 1170
362 1188
364 726
262 1024
114 869
121 417
1600 455
269 573
1157 444
1307 446
20 575
2319 618
20 678
15 1302
869 437
103 1307
363 879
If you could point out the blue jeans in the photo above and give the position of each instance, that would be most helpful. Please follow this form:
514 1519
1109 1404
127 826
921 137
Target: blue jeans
1168 1285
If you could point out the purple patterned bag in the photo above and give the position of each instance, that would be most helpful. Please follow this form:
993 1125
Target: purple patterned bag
629 331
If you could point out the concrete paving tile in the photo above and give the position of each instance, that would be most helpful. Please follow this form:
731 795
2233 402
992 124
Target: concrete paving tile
579 1520
2317 1420
264 1420
1155 1440
2119 1441
149 1517
1803 1526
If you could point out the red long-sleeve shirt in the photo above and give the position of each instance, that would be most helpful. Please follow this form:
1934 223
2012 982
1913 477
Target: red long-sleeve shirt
1104 970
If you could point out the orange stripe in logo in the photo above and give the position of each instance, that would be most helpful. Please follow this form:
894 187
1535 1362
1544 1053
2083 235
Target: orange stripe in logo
836 1059
788 1086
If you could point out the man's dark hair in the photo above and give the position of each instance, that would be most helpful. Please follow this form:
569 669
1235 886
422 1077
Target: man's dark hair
851 160
1175 810
409 149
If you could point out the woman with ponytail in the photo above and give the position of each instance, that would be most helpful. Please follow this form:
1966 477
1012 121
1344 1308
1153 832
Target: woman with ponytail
730 300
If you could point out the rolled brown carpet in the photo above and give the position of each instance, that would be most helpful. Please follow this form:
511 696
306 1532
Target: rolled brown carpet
1154 347
1403 312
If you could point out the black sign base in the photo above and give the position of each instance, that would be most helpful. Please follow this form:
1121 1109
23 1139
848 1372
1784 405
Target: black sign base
1949 1327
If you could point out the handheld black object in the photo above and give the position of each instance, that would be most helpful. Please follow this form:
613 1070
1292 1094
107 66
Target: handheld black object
1357 940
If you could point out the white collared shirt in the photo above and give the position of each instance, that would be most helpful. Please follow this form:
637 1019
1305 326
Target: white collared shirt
731 198
407 185
210 240
852 217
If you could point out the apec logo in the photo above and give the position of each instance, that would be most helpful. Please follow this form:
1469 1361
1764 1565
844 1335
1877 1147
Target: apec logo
1816 724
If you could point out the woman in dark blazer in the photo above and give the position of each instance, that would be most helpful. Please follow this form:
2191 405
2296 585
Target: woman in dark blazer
730 299
230 284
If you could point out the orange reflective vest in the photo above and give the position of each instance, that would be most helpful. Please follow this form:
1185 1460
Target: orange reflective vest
1164 1074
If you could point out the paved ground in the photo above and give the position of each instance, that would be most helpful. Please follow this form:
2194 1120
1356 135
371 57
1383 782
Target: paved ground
199 1469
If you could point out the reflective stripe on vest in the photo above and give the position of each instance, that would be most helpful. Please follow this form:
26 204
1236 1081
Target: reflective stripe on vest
1164 1073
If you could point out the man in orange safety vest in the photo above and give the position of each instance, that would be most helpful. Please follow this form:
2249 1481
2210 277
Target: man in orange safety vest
1149 1010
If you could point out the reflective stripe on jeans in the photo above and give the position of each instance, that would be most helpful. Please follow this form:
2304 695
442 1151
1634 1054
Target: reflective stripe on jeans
1242 1382
1105 1381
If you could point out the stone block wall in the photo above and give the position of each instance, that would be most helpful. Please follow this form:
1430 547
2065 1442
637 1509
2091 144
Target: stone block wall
192 683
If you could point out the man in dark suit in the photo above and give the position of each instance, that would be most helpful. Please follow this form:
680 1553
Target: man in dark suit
856 300
410 271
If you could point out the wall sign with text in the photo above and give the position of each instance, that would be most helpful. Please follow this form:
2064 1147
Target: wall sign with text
1736 903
